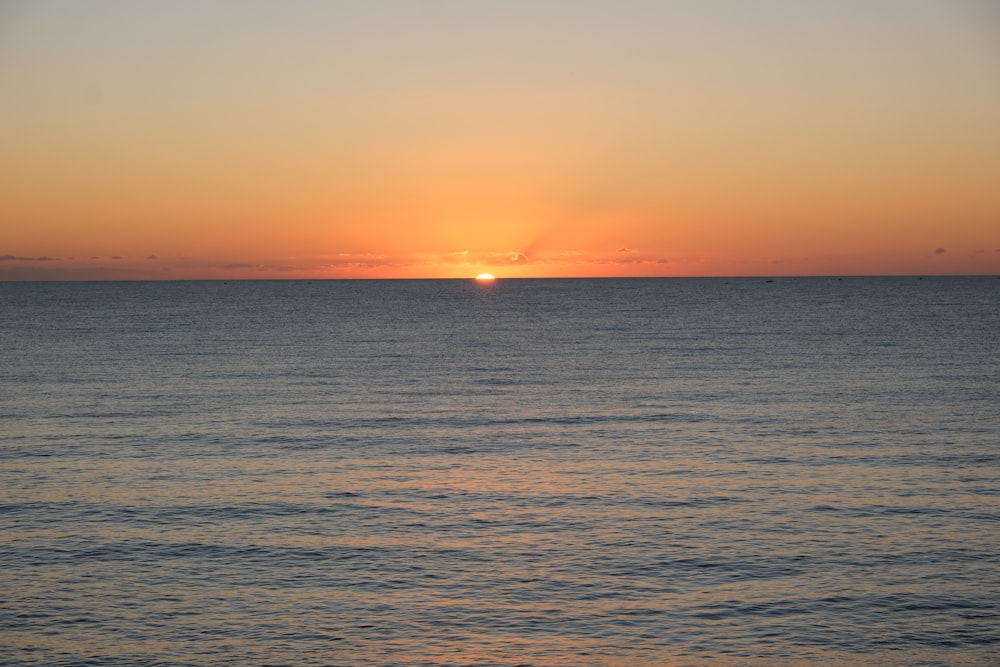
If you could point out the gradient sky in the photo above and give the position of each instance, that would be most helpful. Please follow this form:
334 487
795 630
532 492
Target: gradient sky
440 138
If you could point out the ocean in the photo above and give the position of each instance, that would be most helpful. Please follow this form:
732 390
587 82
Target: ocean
797 471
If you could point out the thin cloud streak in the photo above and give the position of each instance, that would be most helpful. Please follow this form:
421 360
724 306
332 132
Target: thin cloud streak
613 260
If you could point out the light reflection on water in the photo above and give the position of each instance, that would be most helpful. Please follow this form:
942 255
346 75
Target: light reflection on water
622 473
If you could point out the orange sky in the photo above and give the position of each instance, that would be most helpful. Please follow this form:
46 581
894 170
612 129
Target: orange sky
442 138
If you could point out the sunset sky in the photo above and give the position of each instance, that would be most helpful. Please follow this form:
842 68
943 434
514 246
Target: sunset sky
444 138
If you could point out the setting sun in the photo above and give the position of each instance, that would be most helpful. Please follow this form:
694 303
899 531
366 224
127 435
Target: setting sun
486 277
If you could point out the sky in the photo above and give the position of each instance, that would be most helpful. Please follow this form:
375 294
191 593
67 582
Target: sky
242 139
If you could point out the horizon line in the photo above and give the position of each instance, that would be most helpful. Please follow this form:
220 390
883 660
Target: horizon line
771 277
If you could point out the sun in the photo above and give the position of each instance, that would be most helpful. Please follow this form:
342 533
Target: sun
486 277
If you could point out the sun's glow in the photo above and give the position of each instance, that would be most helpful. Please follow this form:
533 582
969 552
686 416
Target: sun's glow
486 277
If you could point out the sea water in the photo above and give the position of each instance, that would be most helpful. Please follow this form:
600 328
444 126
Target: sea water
529 472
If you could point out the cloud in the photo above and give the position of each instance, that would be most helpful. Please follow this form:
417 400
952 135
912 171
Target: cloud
240 266
466 257
347 260
939 251
460 257
623 261
152 257
505 258
56 272
15 258
116 257
628 250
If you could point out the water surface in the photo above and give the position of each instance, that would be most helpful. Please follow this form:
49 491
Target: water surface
533 472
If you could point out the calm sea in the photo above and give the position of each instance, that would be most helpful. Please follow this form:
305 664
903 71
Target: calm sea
534 472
